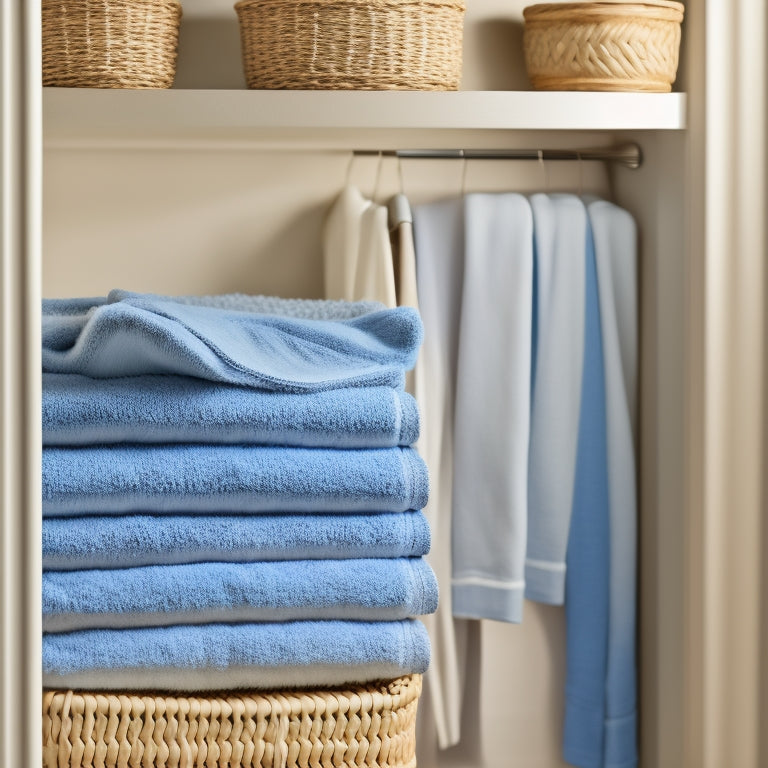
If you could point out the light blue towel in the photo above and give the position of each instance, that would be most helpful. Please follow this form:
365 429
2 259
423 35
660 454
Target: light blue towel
588 556
231 342
106 480
78 410
125 541
204 593
231 656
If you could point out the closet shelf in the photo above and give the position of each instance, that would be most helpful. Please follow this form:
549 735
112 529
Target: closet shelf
92 116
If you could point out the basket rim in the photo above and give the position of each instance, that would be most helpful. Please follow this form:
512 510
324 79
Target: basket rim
668 10
457 4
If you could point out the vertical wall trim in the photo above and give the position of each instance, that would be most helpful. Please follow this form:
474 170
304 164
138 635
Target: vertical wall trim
727 386
20 492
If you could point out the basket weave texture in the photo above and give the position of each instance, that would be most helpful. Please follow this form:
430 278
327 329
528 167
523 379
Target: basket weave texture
110 43
352 44
607 45
371 726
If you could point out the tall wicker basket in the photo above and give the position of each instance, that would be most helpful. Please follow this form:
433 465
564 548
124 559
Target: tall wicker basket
110 43
352 44
371 725
607 45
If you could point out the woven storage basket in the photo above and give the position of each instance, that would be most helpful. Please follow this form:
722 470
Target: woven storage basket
110 43
608 45
352 44
370 726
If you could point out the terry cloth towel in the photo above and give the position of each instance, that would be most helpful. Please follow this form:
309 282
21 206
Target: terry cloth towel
588 555
357 252
135 334
439 237
560 224
203 593
107 480
616 254
78 410
231 656
493 401
126 541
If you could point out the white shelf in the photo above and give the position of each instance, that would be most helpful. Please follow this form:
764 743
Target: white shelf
90 115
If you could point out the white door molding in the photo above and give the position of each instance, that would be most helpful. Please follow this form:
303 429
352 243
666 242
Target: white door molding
726 384
20 484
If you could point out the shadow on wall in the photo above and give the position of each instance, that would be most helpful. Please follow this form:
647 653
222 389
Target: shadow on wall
493 56
209 53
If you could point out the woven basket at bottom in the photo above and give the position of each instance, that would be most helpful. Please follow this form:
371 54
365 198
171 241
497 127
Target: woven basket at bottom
603 46
372 725
110 43
352 44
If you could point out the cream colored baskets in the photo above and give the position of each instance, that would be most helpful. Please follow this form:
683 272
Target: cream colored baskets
371 726
608 45
110 43
352 44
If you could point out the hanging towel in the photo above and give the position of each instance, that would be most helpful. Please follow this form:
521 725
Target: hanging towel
588 554
560 223
134 334
106 480
235 656
202 593
490 504
439 238
78 410
616 255
124 541
357 252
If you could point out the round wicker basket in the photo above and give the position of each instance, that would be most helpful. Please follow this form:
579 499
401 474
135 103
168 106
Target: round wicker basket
352 44
110 43
607 45
371 725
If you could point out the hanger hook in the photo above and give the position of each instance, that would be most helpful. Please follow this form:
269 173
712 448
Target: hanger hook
463 173
544 169
378 176
350 163
400 174
581 173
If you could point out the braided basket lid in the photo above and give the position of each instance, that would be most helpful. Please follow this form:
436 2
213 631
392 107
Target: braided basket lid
667 10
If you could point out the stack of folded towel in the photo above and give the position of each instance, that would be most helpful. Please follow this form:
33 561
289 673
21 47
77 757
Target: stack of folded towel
230 498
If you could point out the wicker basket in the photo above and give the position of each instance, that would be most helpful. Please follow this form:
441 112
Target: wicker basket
609 45
110 43
352 44
372 726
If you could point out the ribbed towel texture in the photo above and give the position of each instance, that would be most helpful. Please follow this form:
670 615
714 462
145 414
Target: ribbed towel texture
125 541
78 410
231 656
225 478
132 334
230 498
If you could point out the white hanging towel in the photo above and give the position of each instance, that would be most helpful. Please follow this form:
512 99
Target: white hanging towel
357 251
439 239
560 225
615 238
490 504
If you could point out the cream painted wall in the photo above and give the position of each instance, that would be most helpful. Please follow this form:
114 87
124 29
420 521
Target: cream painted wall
216 220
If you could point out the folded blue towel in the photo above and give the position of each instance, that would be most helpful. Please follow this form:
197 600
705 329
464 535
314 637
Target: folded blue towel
204 593
78 410
126 541
230 656
188 479
228 341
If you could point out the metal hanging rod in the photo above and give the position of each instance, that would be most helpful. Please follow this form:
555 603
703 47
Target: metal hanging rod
628 155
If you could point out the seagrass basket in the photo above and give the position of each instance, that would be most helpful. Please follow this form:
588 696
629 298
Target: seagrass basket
352 44
607 45
371 725
110 43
